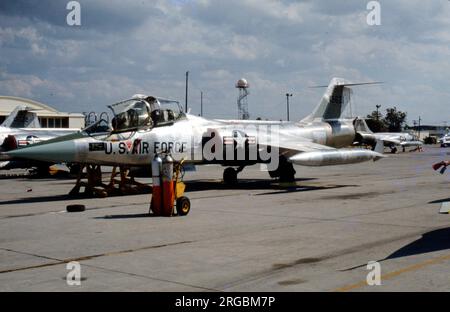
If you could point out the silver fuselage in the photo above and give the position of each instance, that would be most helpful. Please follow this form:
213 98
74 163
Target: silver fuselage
185 139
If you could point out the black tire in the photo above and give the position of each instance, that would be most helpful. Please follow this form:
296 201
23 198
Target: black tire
74 169
43 171
75 208
285 171
274 174
183 206
287 177
230 176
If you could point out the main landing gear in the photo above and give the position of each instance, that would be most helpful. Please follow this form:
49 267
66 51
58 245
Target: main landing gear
230 175
285 171
394 149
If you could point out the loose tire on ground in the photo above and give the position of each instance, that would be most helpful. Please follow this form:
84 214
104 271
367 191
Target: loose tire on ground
75 208
183 206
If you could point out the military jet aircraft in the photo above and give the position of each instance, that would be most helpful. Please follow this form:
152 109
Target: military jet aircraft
391 139
22 128
146 125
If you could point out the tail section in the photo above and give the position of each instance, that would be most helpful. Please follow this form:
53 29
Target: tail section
361 126
335 100
21 117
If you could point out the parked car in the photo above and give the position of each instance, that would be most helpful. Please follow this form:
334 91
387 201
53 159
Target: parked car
445 140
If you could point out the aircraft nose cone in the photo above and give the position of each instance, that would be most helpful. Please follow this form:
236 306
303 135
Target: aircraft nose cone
52 152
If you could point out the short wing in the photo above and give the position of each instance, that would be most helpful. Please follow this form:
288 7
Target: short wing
288 142
303 146
304 152
289 145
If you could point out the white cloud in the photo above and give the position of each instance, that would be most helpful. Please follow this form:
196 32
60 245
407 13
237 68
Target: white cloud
29 35
123 48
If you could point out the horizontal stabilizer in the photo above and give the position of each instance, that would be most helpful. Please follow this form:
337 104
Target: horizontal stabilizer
352 84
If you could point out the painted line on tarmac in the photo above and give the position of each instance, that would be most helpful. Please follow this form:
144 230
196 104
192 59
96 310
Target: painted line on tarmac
390 275
82 258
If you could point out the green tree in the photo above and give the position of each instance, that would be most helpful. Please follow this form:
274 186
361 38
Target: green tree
375 122
394 119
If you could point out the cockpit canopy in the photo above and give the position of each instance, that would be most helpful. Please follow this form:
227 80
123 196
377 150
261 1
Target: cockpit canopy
144 112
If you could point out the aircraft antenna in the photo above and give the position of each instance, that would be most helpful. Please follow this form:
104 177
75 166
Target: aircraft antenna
186 96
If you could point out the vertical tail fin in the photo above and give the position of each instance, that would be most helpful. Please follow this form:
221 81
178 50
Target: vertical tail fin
361 126
21 117
335 100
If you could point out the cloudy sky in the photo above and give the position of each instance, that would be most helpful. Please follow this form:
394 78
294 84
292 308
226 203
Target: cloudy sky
279 46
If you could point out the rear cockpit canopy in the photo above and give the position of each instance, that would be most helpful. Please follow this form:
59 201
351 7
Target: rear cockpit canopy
144 112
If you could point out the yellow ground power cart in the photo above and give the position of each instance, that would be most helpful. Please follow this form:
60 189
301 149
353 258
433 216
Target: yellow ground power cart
183 204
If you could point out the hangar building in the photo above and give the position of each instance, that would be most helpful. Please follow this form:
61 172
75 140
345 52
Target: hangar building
48 116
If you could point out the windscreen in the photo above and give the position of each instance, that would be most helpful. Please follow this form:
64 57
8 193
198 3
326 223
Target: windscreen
172 108
131 115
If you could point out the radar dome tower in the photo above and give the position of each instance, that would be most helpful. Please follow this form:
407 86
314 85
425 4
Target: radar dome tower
242 103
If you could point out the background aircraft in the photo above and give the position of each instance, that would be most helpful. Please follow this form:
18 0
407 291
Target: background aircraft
21 129
391 139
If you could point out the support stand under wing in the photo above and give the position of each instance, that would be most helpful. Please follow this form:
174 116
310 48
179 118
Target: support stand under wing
93 184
